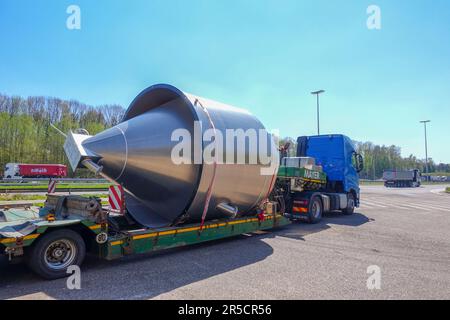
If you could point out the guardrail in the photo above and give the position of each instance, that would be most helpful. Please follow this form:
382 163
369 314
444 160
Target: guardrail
44 191
45 180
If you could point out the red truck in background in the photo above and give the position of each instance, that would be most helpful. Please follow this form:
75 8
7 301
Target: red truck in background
23 170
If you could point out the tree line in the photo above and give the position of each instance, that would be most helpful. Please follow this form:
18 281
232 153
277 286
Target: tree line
27 137
378 158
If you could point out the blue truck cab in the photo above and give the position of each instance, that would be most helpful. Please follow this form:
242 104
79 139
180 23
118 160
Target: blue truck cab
337 155
305 199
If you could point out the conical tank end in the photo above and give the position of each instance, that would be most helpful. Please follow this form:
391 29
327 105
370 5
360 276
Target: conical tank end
137 154
111 147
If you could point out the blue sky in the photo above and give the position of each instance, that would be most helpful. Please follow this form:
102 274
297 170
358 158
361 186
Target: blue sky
266 56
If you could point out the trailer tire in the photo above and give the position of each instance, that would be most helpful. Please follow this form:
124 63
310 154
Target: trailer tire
315 210
350 209
53 253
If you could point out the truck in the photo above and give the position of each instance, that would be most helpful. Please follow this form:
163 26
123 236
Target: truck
328 181
322 178
402 178
25 170
60 234
166 204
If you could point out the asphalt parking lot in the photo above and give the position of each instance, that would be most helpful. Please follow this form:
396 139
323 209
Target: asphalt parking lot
405 232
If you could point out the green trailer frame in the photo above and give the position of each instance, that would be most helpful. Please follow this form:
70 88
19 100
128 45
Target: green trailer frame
109 245
143 241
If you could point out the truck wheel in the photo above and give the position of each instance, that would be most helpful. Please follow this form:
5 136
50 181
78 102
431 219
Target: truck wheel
350 205
315 210
51 255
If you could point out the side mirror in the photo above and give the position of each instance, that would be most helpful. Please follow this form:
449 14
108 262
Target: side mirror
359 162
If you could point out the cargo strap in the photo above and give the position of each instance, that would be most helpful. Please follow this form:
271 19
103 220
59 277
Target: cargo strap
272 182
211 184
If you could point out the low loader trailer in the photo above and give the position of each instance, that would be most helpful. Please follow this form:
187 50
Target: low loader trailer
67 227
167 191
322 178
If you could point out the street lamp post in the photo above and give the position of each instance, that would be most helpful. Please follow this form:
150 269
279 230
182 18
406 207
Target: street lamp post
317 93
426 145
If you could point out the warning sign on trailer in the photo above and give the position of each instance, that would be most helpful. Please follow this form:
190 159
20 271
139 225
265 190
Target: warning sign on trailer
116 197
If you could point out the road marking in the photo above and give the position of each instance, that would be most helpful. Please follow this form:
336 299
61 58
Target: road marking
34 296
438 208
402 206
374 204
409 207
422 206
440 204
439 192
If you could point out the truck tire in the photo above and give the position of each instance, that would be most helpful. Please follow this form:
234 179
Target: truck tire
53 253
315 210
350 205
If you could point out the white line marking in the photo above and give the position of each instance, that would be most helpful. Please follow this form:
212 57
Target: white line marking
374 204
421 206
409 207
438 208
425 205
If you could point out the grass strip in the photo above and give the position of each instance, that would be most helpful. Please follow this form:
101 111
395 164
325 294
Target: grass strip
72 186
18 196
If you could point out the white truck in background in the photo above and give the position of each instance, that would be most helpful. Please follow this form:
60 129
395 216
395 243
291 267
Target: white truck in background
402 178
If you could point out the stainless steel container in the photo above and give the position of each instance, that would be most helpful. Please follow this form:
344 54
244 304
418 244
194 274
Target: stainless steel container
137 154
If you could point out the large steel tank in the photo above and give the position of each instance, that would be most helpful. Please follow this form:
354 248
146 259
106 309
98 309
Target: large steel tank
137 153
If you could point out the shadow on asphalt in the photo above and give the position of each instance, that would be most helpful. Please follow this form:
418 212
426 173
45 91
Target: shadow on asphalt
141 276
298 230
355 220
149 275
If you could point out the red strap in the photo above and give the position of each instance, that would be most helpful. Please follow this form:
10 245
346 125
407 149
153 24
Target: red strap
208 197
211 184
270 186
261 216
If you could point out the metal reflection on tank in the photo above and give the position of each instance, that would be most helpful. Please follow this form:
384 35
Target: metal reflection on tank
137 154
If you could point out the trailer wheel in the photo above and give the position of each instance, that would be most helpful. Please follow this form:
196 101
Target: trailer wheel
54 252
315 210
350 205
